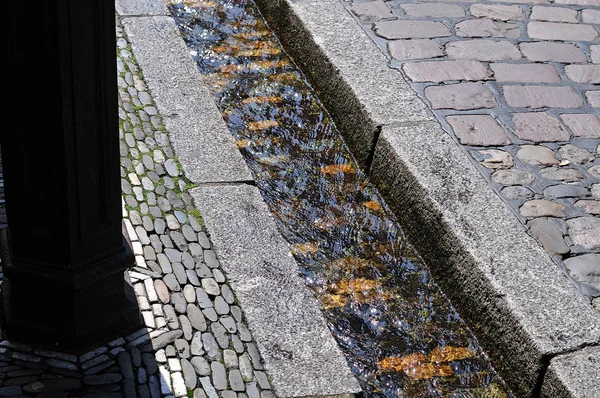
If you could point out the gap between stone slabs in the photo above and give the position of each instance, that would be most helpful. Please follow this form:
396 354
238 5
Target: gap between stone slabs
525 310
299 352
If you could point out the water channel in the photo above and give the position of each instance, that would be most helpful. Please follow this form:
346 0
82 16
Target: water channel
399 333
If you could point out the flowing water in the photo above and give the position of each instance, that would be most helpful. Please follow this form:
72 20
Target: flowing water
399 333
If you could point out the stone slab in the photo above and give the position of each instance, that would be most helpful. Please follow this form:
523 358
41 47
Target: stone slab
498 277
205 147
299 352
138 8
343 64
574 375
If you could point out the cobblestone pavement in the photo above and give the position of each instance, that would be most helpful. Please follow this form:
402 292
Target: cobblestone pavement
516 83
195 342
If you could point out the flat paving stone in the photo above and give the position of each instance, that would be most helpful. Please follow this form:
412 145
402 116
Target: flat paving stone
479 130
225 210
585 232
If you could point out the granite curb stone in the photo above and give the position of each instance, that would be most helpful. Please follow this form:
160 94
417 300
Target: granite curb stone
568 375
301 356
204 145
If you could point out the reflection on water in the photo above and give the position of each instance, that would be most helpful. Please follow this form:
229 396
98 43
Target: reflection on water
399 333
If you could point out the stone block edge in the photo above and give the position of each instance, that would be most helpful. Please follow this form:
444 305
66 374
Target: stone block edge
262 271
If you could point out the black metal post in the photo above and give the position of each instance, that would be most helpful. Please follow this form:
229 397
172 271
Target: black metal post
65 253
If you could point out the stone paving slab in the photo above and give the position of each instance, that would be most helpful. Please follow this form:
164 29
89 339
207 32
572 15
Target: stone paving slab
203 143
531 310
573 371
301 356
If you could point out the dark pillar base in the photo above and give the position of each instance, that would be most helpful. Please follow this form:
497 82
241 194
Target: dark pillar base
71 312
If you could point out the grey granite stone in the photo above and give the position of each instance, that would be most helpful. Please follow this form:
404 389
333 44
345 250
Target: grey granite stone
245 366
573 375
204 145
203 300
585 269
238 346
254 355
235 380
230 358
186 327
219 376
203 271
575 154
549 235
210 345
203 240
513 177
171 281
252 390
196 318
201 366
498 277
196 347
517 192
221 306
193 277
179 271
220 334
210 286
262 274
263 381
227 294
228 323
189 374
178 302
189 293
208 387
585 232
565 191
166 338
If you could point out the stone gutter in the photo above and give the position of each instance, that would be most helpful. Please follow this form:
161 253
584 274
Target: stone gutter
532 321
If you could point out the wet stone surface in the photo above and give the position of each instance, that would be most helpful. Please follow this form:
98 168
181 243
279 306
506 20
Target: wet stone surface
530 95
175 354
400 335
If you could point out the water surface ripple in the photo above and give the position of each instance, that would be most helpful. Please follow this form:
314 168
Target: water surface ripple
399 333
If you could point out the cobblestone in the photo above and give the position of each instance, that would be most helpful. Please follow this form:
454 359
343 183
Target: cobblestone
441 71
414 49
542 97
525 73
479 130
411 29
539 127
552 52
462 96
483 50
